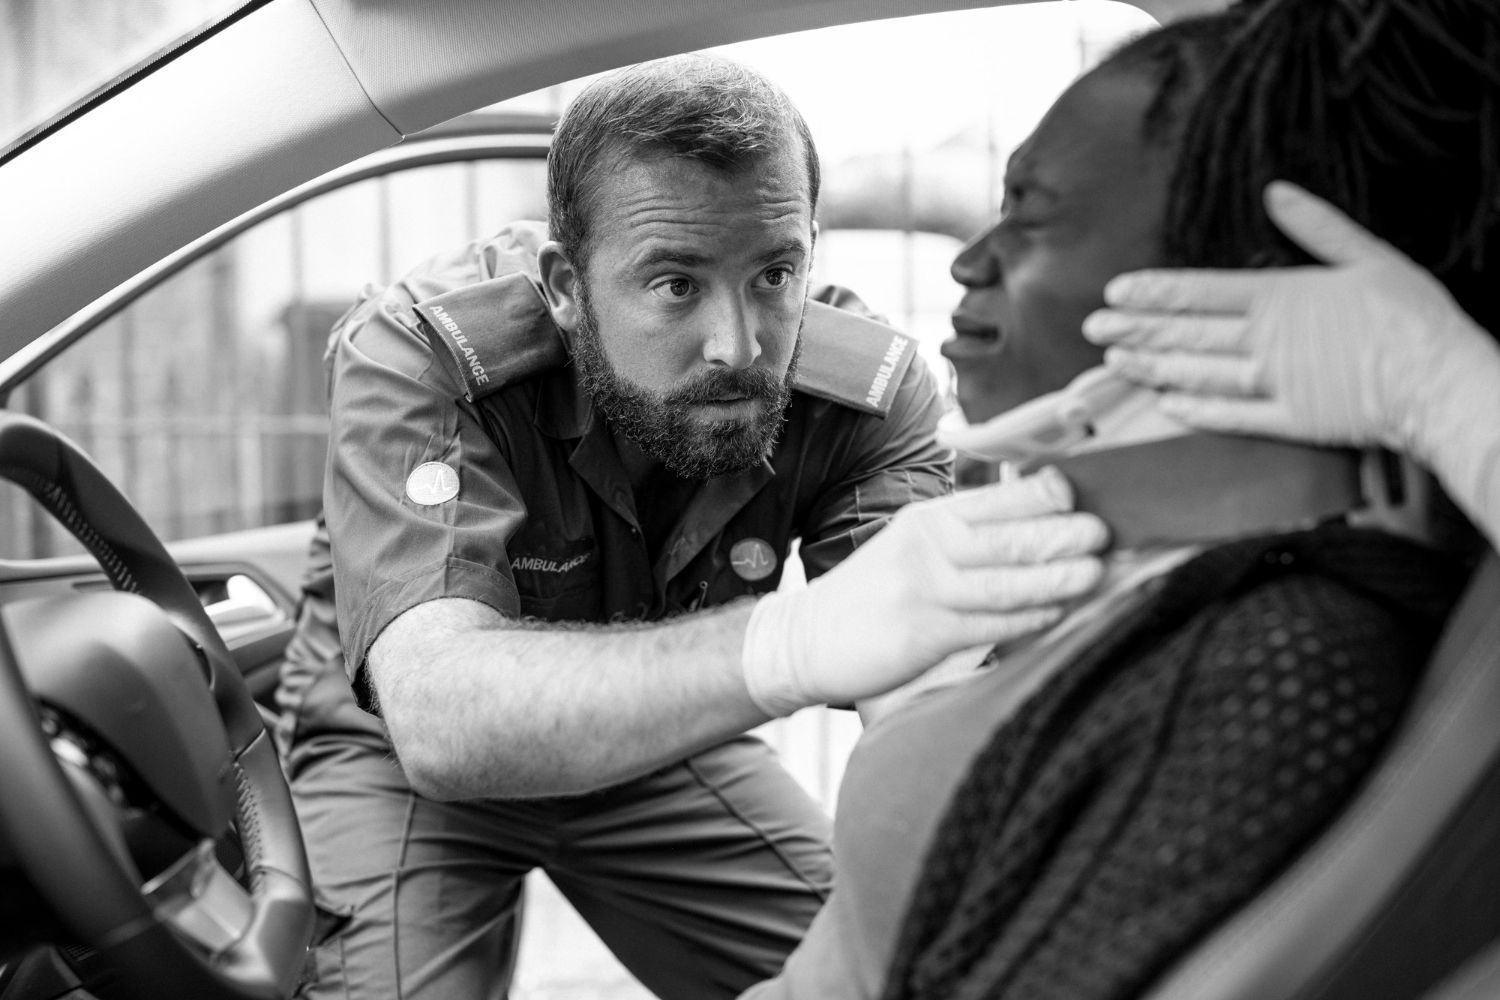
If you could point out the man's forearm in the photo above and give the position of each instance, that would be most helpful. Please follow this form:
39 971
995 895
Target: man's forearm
478 705
481 706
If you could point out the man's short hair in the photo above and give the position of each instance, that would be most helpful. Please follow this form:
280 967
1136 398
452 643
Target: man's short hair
697 107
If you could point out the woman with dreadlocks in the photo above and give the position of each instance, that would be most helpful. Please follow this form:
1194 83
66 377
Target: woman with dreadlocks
1067 821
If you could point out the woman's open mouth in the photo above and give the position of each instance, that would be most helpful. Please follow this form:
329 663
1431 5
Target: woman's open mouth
971 337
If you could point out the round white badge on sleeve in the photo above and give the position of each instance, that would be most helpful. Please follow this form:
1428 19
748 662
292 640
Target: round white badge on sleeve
432 483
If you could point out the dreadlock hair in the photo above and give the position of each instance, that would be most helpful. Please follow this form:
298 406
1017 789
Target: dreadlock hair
1389 109
1178 59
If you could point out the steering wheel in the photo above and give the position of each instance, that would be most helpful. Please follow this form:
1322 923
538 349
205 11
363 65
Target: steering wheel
177 718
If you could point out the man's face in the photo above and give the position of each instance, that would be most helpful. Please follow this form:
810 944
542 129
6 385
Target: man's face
1084 200
690 306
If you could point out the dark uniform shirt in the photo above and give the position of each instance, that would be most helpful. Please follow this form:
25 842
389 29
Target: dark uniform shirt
466 460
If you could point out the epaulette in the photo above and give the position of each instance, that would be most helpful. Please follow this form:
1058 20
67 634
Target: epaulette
851 359
496 333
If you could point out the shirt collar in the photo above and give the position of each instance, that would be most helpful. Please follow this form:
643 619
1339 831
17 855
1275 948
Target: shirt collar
564 409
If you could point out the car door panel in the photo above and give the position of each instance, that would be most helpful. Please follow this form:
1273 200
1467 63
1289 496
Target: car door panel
248 580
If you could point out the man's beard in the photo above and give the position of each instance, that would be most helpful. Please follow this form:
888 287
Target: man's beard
664 425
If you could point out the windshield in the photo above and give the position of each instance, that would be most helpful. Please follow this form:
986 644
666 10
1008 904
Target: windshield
55 54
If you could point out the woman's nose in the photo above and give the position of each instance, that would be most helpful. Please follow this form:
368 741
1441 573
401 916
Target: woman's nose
975 266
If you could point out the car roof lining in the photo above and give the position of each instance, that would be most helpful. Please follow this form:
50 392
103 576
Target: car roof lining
98 95
298 87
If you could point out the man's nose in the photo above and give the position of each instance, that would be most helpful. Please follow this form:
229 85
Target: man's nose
732 339
975 266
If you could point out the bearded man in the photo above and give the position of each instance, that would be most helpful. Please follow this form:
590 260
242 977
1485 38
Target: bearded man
566 469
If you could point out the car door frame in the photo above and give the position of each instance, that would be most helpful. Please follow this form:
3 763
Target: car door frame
270 557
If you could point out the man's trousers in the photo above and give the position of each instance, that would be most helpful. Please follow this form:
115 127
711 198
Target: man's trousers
700 877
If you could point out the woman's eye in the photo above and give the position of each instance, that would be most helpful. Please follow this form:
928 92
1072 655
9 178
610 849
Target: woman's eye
1019 222
673 288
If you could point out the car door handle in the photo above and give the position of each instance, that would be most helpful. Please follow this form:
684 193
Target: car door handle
245 606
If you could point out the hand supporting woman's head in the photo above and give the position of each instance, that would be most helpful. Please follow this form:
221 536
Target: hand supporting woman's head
1389 109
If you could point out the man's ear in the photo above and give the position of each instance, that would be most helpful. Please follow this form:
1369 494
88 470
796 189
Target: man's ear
560 280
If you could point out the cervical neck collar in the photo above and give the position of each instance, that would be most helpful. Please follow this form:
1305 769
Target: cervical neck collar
1198 488
1155 482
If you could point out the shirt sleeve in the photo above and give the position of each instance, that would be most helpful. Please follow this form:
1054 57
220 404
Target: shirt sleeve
892 462
393 410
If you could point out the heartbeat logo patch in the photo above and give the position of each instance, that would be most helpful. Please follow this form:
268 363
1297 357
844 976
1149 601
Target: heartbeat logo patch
752 559
432 483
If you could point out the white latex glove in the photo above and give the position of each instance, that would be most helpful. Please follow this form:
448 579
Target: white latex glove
985 564
1369 350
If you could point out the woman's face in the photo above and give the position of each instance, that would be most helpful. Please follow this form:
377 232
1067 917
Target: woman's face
1084 200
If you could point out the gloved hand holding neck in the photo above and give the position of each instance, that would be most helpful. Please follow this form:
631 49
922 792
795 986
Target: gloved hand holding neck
1157 482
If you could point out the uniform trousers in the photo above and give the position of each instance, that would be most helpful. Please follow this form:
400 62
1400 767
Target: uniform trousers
700 877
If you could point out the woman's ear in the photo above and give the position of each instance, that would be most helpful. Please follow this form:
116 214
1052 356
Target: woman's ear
560 282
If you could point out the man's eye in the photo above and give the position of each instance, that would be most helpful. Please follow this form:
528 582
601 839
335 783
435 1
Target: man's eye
779 276
674 288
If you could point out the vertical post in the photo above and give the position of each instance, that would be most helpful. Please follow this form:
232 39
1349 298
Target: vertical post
238 406
473 225
129 420
383 229
826 794
908 237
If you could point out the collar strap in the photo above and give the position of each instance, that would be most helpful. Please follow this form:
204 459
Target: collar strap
1204 487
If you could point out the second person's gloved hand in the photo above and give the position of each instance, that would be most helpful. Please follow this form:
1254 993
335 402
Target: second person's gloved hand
986 564
1371 350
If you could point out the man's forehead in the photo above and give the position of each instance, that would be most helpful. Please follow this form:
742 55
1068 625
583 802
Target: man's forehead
689 212
703 246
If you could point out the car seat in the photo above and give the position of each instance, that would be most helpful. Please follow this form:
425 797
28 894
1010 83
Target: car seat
1400 898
